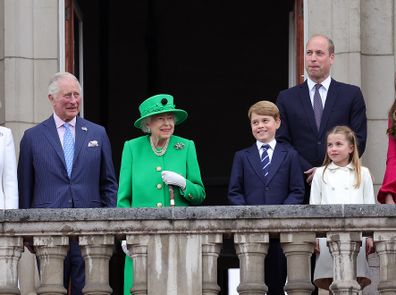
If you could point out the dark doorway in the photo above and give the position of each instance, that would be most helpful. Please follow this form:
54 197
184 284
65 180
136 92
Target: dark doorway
215 57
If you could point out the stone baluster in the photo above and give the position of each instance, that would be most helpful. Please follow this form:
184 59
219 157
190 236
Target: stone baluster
385 244
298 248
211 246
251 250
10 251
51 252
97 251
137 248
344 247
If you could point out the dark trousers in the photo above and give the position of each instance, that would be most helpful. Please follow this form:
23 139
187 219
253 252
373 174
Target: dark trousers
74 270
275 268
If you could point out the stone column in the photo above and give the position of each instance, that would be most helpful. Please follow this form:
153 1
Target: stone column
298 248
10 252
51 252
137 247
251 250
97 251
211 246
344 247
385 244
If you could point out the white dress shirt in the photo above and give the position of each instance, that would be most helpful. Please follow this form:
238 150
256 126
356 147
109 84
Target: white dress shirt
322 90
270 150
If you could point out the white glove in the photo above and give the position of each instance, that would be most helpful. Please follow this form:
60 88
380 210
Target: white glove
172 178
124 247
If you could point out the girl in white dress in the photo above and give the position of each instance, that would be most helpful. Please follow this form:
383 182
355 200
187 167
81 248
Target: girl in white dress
341 180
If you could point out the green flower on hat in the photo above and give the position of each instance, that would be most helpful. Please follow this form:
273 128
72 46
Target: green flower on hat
158 104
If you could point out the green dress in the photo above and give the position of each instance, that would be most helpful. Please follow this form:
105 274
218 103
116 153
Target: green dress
141 184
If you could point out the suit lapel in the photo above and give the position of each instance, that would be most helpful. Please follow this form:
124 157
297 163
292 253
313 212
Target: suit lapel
52 135
254 160
307 106
277 159
330 101
81 134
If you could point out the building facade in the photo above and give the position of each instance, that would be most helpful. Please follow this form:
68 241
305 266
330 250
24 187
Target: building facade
34 45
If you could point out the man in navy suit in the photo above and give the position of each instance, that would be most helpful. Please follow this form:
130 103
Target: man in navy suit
45 181
342 104
267 173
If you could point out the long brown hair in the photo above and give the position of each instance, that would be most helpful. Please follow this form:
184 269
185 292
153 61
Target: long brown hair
353 157
392 117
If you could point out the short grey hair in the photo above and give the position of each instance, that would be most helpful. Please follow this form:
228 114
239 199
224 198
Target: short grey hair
53 88
143 125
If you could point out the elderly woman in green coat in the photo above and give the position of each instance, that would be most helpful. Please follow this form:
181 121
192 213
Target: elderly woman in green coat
158 169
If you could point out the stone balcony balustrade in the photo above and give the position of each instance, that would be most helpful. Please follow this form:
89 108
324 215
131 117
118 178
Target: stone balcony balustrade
175 250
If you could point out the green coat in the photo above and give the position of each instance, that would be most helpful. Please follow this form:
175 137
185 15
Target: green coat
141 184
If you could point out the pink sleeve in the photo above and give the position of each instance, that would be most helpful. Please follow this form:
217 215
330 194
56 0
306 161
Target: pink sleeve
389 182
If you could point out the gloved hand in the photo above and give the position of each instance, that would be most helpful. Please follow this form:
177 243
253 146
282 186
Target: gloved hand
124 247
173 178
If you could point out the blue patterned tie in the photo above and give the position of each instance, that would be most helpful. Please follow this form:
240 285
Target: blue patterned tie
265 160
68 148
317 105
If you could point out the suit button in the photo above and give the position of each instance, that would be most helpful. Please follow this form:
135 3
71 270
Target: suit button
319 142
159 186
158 168
190 196
159 205
266 188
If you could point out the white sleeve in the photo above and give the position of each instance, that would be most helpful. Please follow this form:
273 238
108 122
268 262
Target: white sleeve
316 188
10 182
368 188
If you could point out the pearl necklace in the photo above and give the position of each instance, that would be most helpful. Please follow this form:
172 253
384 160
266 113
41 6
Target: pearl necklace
160 152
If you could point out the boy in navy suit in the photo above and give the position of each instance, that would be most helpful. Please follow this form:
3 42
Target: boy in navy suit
267 173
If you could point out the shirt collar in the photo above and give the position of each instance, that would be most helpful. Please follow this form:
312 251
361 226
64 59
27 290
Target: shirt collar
333 166
59 122
325 83
272 144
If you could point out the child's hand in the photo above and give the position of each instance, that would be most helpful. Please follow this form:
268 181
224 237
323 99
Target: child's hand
370 248
317 248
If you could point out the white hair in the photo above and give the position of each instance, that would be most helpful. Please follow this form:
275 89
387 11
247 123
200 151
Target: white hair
53 88
143 124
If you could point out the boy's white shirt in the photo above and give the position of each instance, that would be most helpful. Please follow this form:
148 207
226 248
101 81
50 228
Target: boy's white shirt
337 186
270 151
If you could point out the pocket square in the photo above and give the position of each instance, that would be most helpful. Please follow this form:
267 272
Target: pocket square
93 143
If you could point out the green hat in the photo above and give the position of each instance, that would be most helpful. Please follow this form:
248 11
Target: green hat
158 104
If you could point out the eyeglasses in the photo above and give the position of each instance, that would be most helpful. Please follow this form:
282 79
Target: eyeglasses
69 95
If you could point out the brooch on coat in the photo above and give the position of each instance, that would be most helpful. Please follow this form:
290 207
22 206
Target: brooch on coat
179 146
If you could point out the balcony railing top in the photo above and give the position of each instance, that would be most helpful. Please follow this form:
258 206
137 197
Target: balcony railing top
200 220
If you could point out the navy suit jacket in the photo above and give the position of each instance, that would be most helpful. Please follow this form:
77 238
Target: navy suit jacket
344 106
42 175
284 183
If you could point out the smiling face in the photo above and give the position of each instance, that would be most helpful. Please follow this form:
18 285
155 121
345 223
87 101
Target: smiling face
339 149
318 59
66 102
161 126
263 127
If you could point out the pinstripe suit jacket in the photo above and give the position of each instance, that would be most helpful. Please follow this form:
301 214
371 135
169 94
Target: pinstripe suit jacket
43 180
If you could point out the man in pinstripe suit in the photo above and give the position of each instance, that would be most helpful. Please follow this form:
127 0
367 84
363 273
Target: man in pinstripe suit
44 181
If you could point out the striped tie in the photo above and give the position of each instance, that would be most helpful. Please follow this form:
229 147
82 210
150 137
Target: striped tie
265 161
68 148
